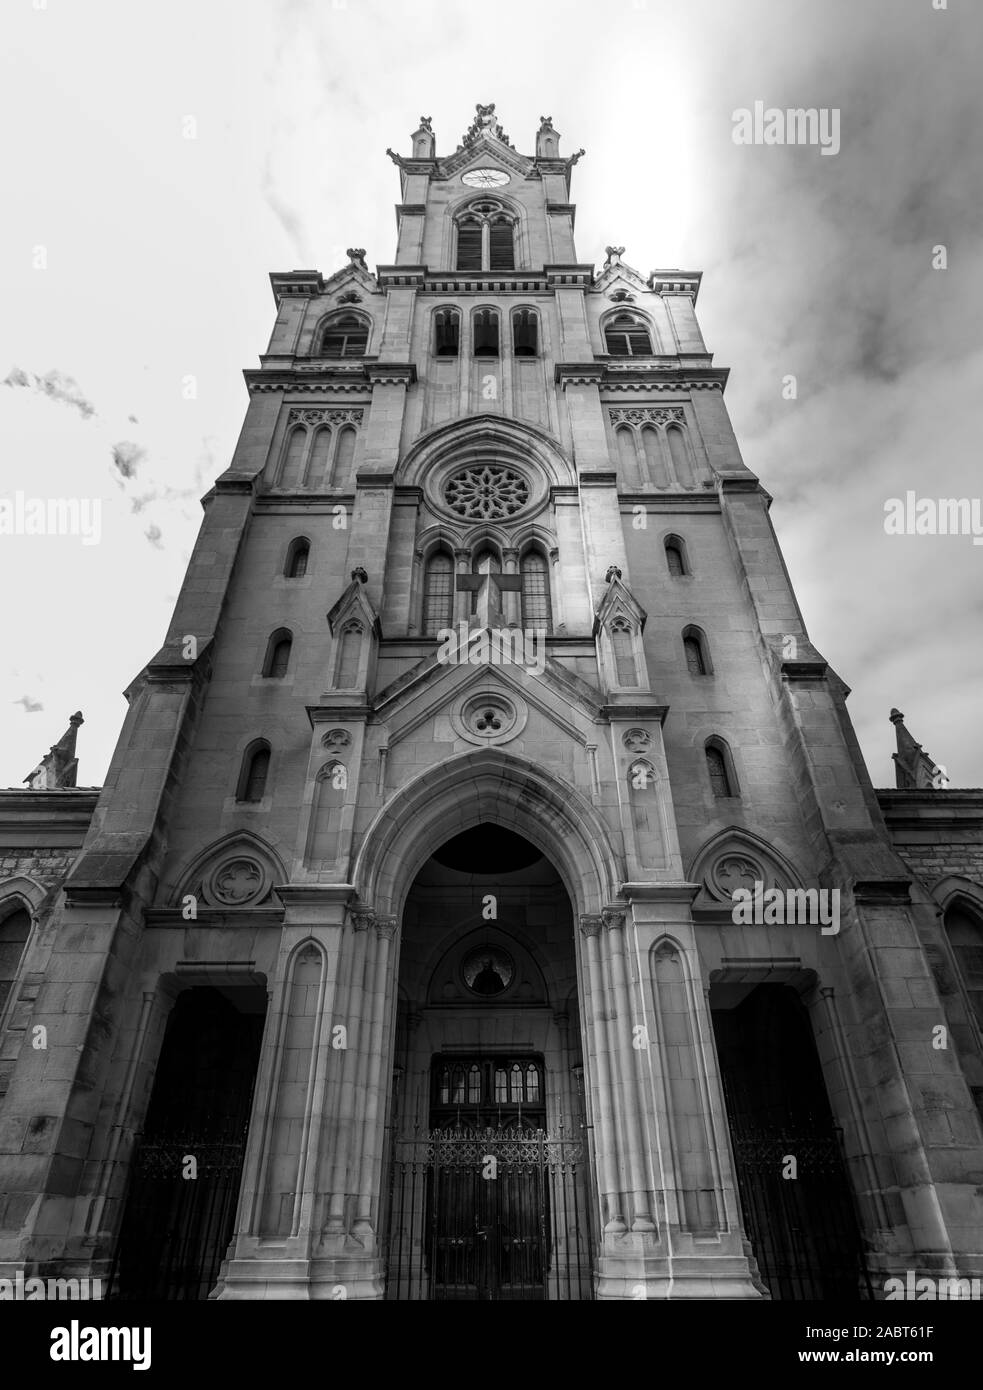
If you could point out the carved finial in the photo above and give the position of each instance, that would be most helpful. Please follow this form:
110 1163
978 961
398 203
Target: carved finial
614 254
914 770
359 574
485 123
613 573
545 121
59 766
425 123
356 254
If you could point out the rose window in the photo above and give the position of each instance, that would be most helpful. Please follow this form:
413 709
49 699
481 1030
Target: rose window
487 493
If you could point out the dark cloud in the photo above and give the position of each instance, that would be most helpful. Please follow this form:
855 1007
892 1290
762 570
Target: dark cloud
31 704
154 534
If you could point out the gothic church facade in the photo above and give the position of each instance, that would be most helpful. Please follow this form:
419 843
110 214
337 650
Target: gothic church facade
398 957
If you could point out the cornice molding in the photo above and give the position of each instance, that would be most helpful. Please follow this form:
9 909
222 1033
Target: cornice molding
329 714
612 713
391 373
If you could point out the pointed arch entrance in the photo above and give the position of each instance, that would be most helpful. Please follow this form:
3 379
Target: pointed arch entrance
485 1187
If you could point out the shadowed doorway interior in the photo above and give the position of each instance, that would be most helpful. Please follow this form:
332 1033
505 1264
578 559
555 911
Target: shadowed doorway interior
489 1168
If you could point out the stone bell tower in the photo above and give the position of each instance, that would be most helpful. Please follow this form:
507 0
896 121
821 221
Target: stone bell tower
485 694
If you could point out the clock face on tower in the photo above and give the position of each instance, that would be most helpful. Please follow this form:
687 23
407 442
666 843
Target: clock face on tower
485 178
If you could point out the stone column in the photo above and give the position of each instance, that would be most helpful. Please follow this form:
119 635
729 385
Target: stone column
280 1205
697 1250
511 598
377 1089
602 1096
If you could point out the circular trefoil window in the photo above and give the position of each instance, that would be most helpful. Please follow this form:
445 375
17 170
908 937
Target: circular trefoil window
487 492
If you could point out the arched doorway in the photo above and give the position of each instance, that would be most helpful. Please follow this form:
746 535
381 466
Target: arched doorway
488 1172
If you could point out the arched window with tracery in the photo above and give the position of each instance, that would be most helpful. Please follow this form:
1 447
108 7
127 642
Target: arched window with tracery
485 237
534 574
346 336
627 335
15 928
438 593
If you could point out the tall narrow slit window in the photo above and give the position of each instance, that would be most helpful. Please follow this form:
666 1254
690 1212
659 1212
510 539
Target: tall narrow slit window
676 557
695 648
277 654
722 782
255 769
297 558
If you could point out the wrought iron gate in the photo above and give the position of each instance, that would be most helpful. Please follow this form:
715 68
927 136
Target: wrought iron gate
803 1230
498 1213
179 1215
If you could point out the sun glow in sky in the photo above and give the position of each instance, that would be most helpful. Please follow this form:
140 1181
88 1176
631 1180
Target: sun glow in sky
162 159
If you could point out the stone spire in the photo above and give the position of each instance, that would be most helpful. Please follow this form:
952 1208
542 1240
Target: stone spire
914 770
59 766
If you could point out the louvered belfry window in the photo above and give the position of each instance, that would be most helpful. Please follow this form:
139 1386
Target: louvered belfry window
346 337
469 246
501 246
626 337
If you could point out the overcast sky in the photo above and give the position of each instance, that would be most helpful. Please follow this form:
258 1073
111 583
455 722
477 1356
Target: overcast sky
133 258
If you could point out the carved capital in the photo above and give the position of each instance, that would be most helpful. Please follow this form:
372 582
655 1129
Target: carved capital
385 927
614 918
591 925
361 919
